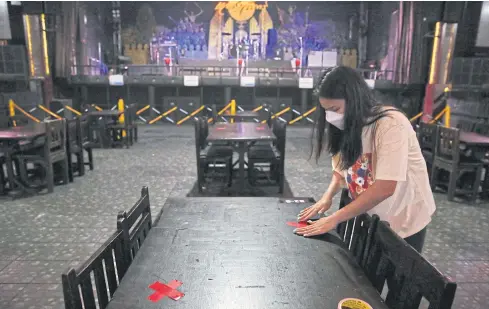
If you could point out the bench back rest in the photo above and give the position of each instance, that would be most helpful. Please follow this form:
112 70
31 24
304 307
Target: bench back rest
85 128
409 275
56 134
107 266
74 133
448 143
135 225
427 134
356 233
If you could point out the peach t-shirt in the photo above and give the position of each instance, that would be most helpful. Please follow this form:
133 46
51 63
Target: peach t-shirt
397 156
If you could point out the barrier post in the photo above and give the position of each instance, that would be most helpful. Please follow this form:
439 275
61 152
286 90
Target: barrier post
233 110
447 117
11 108
120 107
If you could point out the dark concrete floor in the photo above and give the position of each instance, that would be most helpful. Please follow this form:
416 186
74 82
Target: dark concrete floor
42 236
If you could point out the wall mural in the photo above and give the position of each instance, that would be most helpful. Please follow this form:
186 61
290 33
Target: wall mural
242 29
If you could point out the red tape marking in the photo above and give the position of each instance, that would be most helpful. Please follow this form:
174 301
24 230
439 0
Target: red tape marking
163 290
298 224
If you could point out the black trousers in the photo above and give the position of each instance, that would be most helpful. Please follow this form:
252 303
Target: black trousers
417 240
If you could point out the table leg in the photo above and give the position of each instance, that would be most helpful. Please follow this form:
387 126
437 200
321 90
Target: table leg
241 151
16 189
10 171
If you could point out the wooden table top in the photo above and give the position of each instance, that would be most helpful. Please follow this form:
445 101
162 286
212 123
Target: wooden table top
240 131
240 253
246 114
22 133
105 113
473 138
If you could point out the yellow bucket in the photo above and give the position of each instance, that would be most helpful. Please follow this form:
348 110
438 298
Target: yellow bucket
353 303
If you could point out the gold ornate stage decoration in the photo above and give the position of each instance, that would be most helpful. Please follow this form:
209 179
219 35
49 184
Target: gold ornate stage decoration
234 21
138 53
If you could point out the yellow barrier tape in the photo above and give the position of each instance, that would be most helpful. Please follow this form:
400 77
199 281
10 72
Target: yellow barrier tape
303 115
416 117
49 112
163 115
97 108
142 110
222 111
440 115
71 109
23 112
278 114
195 112
258 108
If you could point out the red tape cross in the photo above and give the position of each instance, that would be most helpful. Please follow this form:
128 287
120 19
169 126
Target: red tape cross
298 224
163 290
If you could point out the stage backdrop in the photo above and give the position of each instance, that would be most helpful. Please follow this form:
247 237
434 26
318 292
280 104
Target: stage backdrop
209 29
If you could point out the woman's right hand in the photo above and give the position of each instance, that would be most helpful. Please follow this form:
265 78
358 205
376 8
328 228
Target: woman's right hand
320 207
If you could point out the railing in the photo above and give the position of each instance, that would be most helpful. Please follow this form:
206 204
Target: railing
214 71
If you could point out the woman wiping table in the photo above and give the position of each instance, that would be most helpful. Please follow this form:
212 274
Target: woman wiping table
375 154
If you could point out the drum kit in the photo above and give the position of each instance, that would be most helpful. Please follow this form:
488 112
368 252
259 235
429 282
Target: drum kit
243 47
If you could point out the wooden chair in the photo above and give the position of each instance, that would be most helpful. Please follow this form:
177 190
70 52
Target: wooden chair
207 154
87 142
427 134
356 233
111 255
74 147
408 274
135 225
54 152
269 153
447 157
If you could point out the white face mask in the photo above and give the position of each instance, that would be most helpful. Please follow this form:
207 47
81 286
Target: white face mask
338 120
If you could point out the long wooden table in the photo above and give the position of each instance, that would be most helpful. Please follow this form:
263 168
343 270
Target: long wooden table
240 253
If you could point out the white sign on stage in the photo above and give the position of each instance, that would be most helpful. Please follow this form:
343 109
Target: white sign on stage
330 59
306 83
116 80
190 81
247 81
370 83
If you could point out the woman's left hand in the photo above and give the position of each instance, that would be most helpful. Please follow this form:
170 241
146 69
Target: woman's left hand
318 227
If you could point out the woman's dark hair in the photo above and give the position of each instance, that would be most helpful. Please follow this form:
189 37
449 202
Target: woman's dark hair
361 109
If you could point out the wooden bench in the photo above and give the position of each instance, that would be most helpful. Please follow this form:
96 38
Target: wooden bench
110 262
